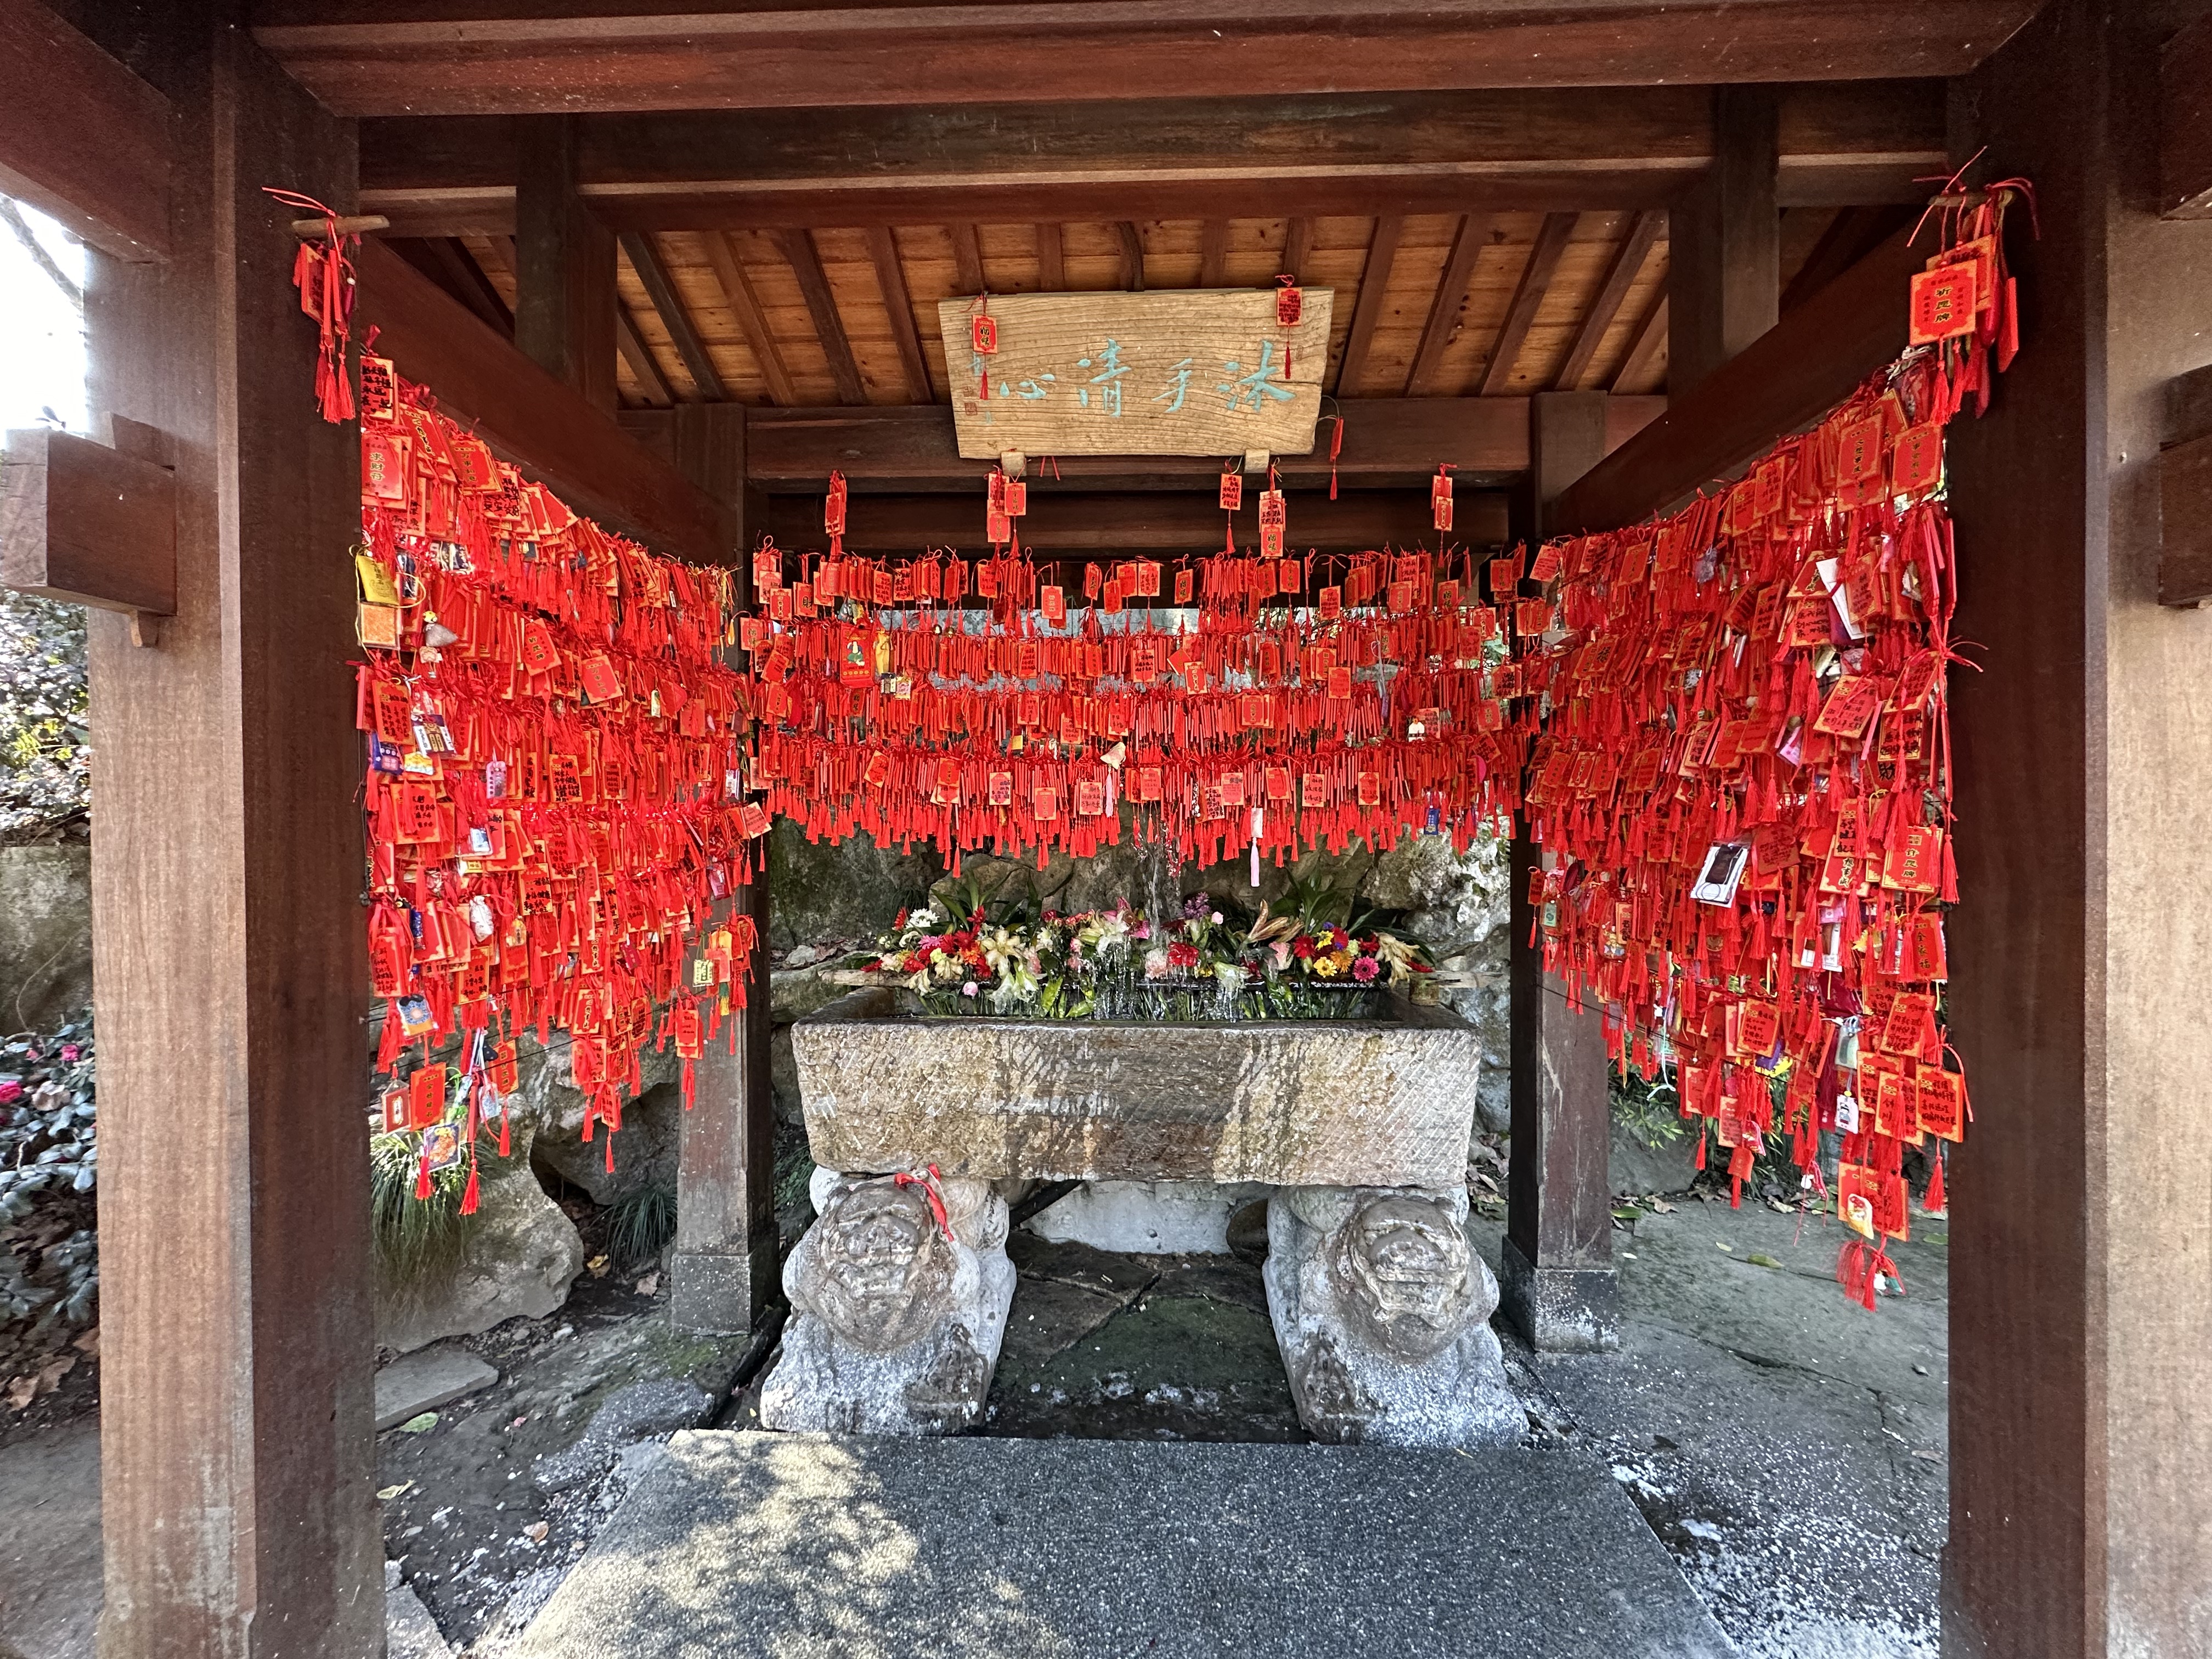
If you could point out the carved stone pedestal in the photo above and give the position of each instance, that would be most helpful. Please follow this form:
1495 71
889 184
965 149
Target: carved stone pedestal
895 1328
1382 1308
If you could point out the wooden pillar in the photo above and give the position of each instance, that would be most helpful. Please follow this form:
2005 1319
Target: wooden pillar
1724 242
237 1455
1559 1286
727 1267
564 301
2080 955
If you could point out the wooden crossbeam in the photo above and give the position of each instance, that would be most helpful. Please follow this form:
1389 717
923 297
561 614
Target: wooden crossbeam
1374 278
86 524
1535 278
1451 294
744 304
1052 260
1781 383
1213 252
1132 255
362 61
1853 234
1210 158
805 260
537 421
1297 244
81 137
444 262
1605 306
890 278
676 317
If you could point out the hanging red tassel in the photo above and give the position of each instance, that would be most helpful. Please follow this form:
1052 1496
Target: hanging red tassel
1937 1199
422 1177
468 1192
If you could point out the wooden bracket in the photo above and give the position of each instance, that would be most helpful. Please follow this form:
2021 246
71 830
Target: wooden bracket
88 523
2184 488
348 224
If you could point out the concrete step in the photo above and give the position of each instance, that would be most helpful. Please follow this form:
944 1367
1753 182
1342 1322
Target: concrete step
798 1546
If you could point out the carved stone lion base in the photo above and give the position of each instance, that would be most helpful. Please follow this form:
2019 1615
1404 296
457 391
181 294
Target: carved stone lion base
1382 1308
895 1328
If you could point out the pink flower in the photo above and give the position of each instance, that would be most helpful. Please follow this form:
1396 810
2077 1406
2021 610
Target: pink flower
969 989
11 1091
69 1053
1366 969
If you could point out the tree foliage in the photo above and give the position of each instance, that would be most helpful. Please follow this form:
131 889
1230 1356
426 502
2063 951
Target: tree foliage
46 751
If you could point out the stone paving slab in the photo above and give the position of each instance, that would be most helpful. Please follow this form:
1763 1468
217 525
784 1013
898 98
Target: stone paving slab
806 1547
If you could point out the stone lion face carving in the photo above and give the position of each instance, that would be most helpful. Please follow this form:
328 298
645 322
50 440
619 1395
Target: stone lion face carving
1403 1268
881 1273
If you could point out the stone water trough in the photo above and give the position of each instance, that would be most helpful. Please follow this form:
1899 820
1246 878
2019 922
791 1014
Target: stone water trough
921 1126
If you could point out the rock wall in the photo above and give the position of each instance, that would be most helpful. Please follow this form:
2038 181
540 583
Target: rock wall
45 934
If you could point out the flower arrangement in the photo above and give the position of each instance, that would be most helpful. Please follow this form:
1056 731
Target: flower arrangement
1119 963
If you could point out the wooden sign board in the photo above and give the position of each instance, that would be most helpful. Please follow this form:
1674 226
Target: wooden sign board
1205 372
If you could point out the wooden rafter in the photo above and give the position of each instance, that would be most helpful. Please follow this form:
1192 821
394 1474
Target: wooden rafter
1620 278
1535 276
805 260
968 258
1218 158
1133 254
1451 294
890 278
566 59
83 139
447 264
752 322
1213 252
1052 258
1374 278
675 316
1644 343
653 385
1853 234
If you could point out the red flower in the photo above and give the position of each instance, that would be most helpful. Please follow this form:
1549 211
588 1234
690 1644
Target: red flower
1304 948
1181 955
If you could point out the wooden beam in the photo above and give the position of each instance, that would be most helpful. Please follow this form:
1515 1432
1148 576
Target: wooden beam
1782 382
898 304
1451 295
2185 106
737 293
362 62
1207 158
440 258
660 288
1213 252
536 420
1132 255
1076 522
87 524
1297 245
1535 278
237 1348
1389 442
798 248
565 307
1052 260
1724 246
634 350
83 139
1367 310
1853 234
2184 479
1605 306
1644 343
967 259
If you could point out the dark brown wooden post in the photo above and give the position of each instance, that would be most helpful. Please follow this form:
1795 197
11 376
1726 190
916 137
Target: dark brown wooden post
725 1269
564 301
1558 1287
238 1502
2081 1242
1724 242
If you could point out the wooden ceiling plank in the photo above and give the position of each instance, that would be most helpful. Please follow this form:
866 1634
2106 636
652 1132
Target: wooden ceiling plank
1212 253
632 349
1374 277
1781 382
536 420
968 258
102 167
1451 294
359 63
744 304
1643 344
891 277
1535 276
1298 246
1635 249
1052 258
652 270
805 260
1132 255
